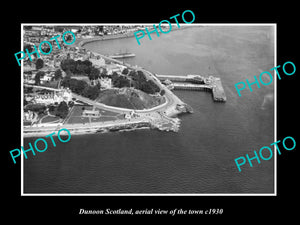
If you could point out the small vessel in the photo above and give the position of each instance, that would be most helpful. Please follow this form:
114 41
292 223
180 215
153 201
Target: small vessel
121 55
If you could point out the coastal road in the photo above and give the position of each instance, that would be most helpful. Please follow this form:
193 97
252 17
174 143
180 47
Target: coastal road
169 102
171 98
169 107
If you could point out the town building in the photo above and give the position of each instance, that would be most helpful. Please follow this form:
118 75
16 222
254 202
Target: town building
112 67
30 116
53 97
97 62
105 82
46 78
90 113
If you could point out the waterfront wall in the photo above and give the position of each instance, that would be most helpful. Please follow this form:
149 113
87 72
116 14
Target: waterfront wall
82 129
216 90
77 129
193 87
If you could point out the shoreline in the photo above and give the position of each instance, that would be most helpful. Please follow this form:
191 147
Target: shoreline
78 129
88 129
121 36
102 127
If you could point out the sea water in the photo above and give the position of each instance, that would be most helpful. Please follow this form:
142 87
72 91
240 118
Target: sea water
200 157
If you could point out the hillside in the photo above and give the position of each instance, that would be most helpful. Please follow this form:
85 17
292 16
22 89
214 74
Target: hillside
129 98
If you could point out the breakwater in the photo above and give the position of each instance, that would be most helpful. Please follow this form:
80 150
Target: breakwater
196 83
88 128
165 124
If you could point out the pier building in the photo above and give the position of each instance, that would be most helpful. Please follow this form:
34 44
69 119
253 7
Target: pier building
196 83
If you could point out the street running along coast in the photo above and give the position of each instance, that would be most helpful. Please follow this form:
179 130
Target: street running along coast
161 117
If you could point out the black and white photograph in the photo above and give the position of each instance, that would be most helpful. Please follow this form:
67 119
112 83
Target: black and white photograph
134 112
162 117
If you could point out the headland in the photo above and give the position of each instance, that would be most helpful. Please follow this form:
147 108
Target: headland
98 117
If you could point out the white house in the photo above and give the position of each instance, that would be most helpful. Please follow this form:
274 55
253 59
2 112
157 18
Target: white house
97 62
51 98
90 113
105 83
30 116
114 68
46 77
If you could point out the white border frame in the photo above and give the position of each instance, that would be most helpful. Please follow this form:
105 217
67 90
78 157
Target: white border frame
154 194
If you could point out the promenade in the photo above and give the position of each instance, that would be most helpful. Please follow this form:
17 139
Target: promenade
151 118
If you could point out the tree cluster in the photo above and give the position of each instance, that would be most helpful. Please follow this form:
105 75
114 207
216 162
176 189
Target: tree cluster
62 110
91 92
57 74
79 67
38 77
76 67
80 87
38 108
30 48
140 82
39 64
125 71
119 81
136 79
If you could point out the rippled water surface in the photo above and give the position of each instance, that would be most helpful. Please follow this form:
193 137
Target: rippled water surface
200 157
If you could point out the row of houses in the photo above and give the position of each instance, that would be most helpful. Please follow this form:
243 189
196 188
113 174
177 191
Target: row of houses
54 97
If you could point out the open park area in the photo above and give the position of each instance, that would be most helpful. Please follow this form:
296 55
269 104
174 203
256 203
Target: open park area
76 115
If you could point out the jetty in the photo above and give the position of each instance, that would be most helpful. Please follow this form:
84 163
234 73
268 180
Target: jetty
196 83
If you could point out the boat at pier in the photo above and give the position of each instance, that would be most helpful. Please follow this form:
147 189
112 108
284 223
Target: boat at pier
122 55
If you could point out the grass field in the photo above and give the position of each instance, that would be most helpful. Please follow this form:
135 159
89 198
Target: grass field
51 84
49 119
129 98
75 116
